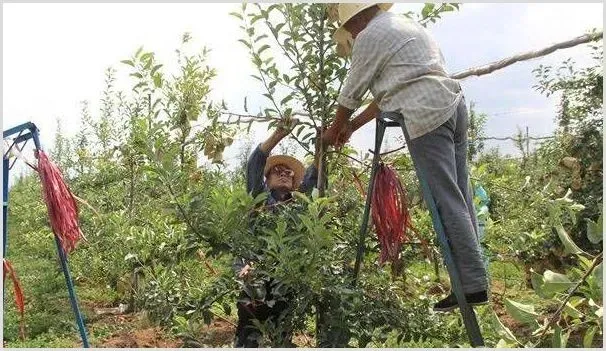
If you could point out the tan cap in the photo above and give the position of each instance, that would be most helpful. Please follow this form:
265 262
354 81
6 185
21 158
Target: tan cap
346 12
288 161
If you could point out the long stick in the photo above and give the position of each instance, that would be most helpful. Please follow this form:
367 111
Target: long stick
491 67
556 316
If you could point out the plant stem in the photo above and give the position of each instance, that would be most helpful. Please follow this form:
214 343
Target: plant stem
556 317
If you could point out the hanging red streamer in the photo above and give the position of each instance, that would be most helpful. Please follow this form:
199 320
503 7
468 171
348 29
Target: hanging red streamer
60 203
390 215
19 299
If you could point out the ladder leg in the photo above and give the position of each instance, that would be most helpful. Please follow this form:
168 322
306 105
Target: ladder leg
380 132
72 294
469 317
68 279
5 164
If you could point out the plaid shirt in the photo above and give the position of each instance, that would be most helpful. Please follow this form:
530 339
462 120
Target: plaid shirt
404 69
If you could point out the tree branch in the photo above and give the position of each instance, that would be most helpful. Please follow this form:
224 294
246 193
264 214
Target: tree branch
491 67
556 315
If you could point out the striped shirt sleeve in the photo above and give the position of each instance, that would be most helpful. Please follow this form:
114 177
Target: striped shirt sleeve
366 60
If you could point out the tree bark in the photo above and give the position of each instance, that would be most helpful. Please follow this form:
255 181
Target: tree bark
494 66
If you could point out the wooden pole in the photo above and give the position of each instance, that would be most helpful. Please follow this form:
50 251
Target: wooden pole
491 67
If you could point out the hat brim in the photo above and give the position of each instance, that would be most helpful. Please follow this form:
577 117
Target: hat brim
288 161
342 36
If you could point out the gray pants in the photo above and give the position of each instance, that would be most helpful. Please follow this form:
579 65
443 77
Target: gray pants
442 156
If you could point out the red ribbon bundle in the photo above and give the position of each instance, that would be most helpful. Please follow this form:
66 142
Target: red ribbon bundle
19 299
391 217
60 203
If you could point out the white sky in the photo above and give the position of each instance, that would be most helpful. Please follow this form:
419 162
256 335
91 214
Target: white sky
54 56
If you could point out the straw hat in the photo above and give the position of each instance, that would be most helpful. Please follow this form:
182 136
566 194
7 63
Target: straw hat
346 12
288 161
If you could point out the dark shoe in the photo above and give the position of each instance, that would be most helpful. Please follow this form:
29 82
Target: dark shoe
450 302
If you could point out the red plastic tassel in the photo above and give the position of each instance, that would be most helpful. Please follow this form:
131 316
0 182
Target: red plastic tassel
19 299
390 215
60 203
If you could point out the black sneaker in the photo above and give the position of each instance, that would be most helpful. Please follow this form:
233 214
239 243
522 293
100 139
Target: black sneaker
450 302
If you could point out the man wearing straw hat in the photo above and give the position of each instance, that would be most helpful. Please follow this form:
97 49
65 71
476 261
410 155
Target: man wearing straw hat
402 66
279 176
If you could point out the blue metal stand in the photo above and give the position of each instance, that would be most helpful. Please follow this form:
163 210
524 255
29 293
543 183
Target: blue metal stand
25 132
469 317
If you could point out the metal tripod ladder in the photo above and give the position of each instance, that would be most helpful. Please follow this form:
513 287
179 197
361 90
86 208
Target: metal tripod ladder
24 133
469 317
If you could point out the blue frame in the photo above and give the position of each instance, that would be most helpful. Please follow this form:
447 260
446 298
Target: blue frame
32 133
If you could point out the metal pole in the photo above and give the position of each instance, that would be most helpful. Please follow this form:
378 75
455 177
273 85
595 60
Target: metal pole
5 164
64 266
375 163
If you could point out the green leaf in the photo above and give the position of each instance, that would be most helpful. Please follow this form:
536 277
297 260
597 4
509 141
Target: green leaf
157 80
279 26
256 18
521 312
571 311
155 68
427 9
559 339
226 308
569 246
139 85
287 99
128 62
147 56
263 48
136 75
502 331
245 43
308 135
595 231
556 340
598 275
503 344
588 338
555 283
537 282
260 37
237 15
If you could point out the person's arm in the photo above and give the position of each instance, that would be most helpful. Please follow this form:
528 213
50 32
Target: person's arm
366 62
366 116
273 140
254 171
257 160
340 123
369 113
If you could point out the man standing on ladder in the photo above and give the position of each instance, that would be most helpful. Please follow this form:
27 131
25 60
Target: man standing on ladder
404 69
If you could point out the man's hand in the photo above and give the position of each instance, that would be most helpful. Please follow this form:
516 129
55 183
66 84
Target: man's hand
245 271
331 135
338 130
286 125
337 135
283 127
344 136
